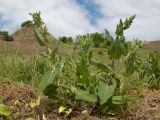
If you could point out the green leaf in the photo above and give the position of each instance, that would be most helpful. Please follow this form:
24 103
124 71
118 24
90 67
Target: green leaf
42 40
132 18
116 50
130 63
53 53
4 110
105 92
85 96
119 30
117 100
128 22
47 79
51 91
37 18
101 66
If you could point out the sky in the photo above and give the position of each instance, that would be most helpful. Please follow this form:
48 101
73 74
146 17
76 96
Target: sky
75 17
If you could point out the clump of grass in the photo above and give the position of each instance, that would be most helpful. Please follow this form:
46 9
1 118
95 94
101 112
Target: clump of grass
27 70
6 36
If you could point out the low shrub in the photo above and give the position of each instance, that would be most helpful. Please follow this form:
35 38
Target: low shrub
6 36
25 23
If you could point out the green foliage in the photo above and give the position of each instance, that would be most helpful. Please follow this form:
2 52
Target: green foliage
25 23
151 69
37 18
27 71
6 36
51 91
119 46
42 39
105 87
105 92
4 110
82 64
79 78
68 40
85 96
98 39
109 39
121 100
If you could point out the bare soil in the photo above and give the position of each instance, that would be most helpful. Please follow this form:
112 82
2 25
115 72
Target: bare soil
18 96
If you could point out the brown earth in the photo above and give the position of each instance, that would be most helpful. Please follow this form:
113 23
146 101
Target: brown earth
24 42
154 45
17 97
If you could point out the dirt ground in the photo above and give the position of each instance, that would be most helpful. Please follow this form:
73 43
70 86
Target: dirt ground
17 97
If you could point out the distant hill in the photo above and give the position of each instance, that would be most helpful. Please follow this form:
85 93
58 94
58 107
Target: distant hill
24 41
155 45
26 34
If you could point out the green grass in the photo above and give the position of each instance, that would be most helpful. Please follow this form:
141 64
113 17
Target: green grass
22 69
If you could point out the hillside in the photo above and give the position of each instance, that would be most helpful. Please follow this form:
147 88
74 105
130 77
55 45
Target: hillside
24 42
154 45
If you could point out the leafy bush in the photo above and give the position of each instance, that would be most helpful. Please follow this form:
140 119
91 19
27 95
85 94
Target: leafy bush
98 39
4 110
151 69
71 77
25 23
6 36
80 81
68 40
27 71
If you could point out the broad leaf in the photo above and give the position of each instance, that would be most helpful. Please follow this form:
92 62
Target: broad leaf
105 92
53 53
42 40
4 110
116 50
50 91
47 79
130 67
128 22
37 18
85 96
101 66
119 30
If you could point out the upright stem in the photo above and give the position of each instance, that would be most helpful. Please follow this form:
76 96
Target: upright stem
113 64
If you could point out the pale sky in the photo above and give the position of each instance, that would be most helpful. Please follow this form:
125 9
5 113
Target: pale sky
74 17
